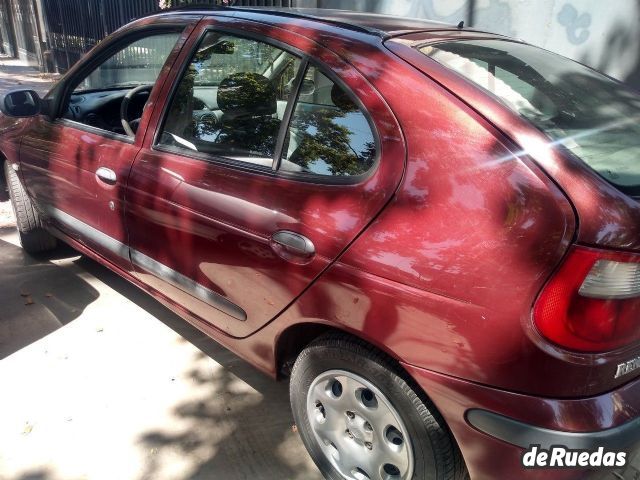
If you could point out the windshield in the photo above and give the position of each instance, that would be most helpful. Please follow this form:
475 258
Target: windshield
591 115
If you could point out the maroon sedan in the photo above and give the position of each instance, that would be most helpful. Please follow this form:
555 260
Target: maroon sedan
434 231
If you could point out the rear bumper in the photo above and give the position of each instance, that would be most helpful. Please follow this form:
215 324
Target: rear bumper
523 435
494 428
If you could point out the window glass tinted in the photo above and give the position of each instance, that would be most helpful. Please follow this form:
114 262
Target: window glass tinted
328 135
231 99
591 115
137 64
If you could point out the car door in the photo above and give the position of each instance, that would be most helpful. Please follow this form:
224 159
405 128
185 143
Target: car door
76 165
263 167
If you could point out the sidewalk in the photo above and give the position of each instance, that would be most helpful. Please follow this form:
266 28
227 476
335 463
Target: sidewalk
17 74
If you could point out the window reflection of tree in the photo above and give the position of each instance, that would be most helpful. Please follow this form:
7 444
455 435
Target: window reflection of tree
328 137
324 139
249 125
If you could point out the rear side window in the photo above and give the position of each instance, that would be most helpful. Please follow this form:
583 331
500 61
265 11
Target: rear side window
328 135
592 116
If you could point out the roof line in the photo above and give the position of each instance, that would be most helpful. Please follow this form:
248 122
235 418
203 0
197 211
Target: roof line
292 14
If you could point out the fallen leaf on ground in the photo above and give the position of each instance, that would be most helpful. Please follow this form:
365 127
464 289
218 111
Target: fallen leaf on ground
27 429
48 295
28 300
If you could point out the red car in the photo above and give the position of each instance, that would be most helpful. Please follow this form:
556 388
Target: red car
434 231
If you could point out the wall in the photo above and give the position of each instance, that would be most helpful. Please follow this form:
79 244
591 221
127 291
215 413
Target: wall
602 34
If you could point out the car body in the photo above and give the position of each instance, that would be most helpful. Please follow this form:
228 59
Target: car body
436 255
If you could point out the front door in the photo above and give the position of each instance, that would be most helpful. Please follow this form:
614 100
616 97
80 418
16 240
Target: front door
77 165
264 166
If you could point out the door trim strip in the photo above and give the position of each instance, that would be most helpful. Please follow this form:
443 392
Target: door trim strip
90 233
147 263
187 285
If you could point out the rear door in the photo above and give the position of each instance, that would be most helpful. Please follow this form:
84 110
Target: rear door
265 163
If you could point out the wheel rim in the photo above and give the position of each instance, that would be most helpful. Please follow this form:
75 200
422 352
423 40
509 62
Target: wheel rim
358 429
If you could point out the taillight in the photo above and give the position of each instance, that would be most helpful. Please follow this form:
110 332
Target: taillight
592 303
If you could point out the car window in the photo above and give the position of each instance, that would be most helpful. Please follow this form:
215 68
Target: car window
589 114
96 98
231 100
136 64
328 135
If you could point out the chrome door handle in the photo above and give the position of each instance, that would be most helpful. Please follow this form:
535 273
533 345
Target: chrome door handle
287 244
107 175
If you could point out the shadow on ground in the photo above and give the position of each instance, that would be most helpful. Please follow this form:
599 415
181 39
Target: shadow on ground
226 421
36 296
238 425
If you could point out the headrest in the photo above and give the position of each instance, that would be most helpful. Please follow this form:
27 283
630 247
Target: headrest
341 100
247 94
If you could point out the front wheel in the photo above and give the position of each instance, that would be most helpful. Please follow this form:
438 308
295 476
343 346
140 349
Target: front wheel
33 237
361 420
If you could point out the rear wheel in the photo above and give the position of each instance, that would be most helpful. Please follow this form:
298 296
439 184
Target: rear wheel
361 420
33 237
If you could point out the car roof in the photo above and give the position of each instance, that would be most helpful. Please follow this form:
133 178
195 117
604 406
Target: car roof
374 23
380 25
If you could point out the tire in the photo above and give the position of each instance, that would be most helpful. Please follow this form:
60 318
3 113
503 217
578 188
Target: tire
400 410
33 237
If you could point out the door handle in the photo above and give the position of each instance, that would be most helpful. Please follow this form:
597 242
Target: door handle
107 175
292 246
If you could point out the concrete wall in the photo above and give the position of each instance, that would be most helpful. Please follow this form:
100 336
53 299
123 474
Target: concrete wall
604 34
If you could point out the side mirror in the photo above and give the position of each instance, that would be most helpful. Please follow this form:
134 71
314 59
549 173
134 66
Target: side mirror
20 103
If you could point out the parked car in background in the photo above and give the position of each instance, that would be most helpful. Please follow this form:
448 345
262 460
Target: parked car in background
433 230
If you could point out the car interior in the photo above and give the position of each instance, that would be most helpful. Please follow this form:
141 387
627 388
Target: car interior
239 116
97 100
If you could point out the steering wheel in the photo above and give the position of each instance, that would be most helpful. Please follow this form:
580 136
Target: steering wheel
124 108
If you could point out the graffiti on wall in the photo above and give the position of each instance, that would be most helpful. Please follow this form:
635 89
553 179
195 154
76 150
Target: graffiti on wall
576 24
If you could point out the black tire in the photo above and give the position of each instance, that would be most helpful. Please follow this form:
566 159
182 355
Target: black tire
436 454
33 237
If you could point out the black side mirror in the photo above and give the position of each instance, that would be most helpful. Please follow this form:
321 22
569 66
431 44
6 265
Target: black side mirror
20 103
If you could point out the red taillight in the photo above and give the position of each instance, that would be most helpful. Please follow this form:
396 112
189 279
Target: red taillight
592 303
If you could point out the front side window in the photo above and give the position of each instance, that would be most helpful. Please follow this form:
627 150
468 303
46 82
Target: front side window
589 114
96 98
328 135
231 99
137 64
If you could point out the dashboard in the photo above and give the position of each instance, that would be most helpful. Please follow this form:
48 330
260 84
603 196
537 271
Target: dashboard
101 109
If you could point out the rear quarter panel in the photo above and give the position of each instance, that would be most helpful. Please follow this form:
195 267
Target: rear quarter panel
446 276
